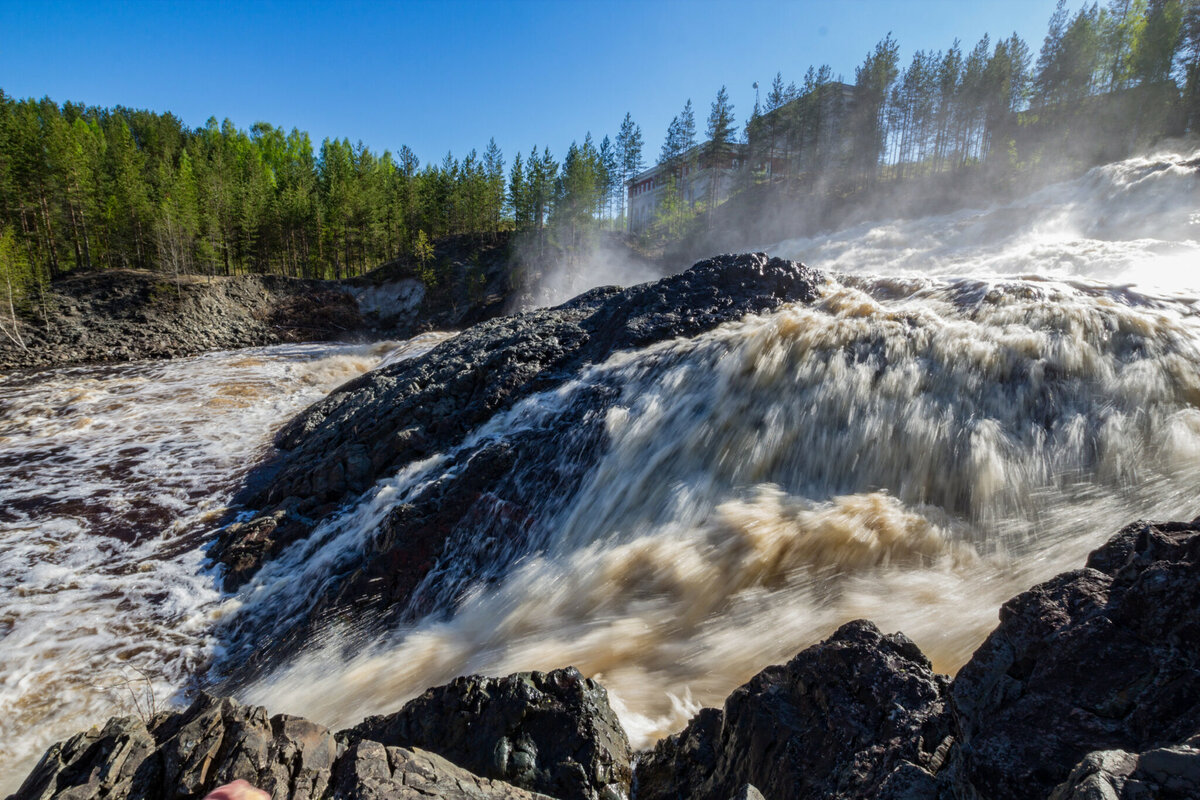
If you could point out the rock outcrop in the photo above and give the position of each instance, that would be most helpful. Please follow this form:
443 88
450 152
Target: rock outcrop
1105 658
548 732
859 715
494 493
123 315
187 754
475 739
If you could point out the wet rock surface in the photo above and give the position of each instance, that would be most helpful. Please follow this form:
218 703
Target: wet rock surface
1104 658
495 493
548 732
187 754
859 715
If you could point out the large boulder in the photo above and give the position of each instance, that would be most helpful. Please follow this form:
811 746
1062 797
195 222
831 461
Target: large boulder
1086 669
547 732
396 414
858 715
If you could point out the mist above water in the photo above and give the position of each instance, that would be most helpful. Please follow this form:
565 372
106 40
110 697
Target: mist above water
1134 222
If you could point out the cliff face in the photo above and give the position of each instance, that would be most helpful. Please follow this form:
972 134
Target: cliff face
1089 688
123 315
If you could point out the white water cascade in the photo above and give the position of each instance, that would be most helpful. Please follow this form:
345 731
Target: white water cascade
114 478
975 401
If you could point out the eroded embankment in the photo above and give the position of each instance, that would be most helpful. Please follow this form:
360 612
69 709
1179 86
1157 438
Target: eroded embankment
126 315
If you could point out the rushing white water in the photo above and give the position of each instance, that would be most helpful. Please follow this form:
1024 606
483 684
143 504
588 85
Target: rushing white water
975 402
114 476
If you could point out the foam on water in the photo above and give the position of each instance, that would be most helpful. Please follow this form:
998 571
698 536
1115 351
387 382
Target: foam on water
1131 222
114 478
974 402
913 448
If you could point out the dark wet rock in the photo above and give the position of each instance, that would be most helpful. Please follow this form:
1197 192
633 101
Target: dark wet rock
1106 658
546 732
488 506
371 771
859 715
187 754
1167 773
538 729
1099 776
393 415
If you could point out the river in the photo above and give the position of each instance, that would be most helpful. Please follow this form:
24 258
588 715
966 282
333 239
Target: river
974 402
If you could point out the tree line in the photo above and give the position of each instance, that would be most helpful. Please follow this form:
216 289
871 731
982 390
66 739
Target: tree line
1105 79
85 188
97 188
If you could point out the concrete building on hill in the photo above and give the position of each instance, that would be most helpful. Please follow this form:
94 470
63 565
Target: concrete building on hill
694 172
790 141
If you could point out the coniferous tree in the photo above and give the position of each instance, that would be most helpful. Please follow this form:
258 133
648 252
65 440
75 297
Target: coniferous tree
719 145
613 186
873 81
493 166
629 145
517 203
1155 48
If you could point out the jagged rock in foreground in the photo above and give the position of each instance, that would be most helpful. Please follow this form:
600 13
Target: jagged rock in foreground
548 732
1088 690
1169 773
534 730
187 754
859 715
1104 658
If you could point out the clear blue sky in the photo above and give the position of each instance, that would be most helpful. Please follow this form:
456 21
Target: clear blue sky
441 76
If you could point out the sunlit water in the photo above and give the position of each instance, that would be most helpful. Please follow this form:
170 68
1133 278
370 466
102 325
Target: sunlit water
113 479
974 402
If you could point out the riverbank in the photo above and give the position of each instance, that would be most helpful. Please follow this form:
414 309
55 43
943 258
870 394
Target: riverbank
127 315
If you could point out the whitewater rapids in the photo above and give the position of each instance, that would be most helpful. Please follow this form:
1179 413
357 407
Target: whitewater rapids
973 403
115 477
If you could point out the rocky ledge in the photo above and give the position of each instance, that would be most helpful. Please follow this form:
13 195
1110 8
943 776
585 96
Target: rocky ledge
495 491
122 315
1089 689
